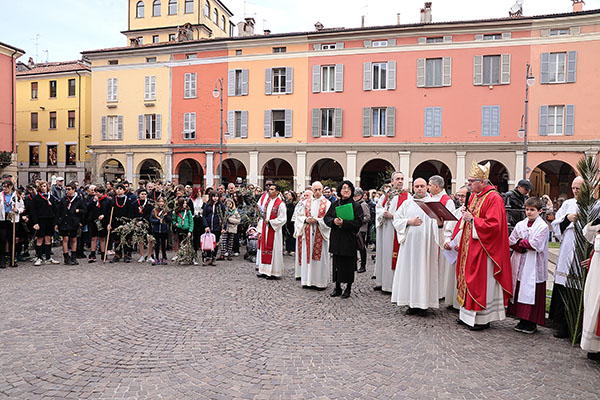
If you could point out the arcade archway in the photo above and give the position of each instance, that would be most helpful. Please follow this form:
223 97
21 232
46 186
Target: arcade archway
552 178
190 172
328 171
374 173
429 168
112 170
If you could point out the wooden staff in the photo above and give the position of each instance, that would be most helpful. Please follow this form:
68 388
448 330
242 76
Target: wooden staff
108 234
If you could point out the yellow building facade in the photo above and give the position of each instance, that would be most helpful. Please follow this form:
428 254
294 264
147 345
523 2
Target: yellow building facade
159 21
53 121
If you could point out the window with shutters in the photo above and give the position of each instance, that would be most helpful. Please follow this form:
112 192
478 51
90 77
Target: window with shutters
189 125
433 72
150 59
189 6
491 70
279 49
71 119
150 88
279 80
379 43
172 7
556 120
34 90
327 121
433 121
237 84
34 121
559 32
278 123
437 39
378 122
52 120
150 126
112 91
490 121
328 78
139 9
557 67
112 128
189 85
237 124
379 76
492 36
52 89
71 87
156 8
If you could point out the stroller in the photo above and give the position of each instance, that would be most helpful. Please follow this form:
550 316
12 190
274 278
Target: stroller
252 244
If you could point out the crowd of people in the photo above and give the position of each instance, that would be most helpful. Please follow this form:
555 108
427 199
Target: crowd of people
482 253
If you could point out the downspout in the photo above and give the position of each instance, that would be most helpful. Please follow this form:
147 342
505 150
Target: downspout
12 101
79 127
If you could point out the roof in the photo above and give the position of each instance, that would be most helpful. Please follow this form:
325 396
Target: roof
13 48
522 19
55 67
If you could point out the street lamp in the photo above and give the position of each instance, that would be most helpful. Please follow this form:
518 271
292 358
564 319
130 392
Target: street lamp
522 132
218 92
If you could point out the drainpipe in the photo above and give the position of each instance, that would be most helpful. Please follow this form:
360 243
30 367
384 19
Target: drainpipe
12 101
79 128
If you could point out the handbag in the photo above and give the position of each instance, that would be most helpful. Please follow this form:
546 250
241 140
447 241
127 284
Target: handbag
360 243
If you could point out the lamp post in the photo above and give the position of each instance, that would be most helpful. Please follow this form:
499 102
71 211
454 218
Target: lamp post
218 93
522 133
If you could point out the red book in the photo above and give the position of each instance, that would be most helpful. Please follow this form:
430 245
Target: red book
435 209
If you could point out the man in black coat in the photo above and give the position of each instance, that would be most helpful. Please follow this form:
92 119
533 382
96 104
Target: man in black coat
514 200
71 211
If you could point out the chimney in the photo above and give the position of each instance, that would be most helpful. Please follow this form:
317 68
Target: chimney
319 26
578 5
30 63
398 19
246 27
267 32
426 13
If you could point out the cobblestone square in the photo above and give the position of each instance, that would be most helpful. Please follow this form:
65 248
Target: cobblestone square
193 332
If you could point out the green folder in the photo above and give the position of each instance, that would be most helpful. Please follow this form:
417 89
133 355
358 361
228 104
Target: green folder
345 212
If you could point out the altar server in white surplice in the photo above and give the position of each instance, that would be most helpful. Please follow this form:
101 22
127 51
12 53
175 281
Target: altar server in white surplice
416 278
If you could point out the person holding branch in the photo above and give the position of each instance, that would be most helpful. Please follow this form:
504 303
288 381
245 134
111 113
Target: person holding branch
10 208
344 217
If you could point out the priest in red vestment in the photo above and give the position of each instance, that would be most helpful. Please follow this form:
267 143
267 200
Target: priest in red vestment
483 270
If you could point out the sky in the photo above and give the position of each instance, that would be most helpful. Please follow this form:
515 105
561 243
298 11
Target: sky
64 28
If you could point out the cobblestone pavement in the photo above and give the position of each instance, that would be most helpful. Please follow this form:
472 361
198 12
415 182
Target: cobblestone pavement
173 332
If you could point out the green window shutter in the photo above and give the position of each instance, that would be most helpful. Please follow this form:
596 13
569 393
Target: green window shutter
478 70
367 85
337 124
366 121
316 117
391 122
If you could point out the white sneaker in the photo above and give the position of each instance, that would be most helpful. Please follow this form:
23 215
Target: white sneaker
142 259
52 261
196 262
38 262
236 254
150 259
174 258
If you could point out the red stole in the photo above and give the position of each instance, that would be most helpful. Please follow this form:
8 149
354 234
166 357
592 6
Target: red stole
444 199
318 248
488 210
401 197
265 244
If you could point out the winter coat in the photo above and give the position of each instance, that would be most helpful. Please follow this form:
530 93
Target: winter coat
342 240
233 221
210 218
183 220
70 217
43 208
159 226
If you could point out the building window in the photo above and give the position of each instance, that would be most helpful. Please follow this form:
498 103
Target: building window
171 37
328 46
155 38
223 22
433 121
207 9
490 121
559 32
112 127
189 6
557 120
189 85
379 43
140 40
238 52
34 121
112 90
150 131
278 124
215 16
378 121
52 155
279 49
327 121
438 39
52 89
52 120
34 155
189 125
279 80
113 62
493 36
156 8
191 56
71 87
150 88
557 67
139 9
491 70
237 122
556 116
150 59
328 78
34 90
71 119
172 7
379 76
238 82
71 154
433 72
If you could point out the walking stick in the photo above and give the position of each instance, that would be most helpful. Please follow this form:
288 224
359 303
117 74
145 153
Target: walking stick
108 234
12 258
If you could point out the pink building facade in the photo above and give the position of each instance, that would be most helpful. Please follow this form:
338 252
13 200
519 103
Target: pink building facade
8 57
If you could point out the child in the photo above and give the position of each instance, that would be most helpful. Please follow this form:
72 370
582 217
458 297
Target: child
230 229
208 243
529 240
160 220
183 221
252 244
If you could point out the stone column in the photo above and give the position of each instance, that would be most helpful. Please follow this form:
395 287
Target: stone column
129 168
461 171
351 166
518 168
210 175
253 174
300 178
404 167
169 166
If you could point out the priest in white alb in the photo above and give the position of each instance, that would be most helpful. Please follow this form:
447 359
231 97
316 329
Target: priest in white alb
451 251
298 226
590 336
313 240
270 242
386 241
416 278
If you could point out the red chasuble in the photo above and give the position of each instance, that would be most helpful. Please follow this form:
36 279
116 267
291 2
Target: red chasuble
265 244
489 214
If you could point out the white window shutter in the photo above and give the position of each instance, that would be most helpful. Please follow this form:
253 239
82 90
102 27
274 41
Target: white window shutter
576 30
339 45
268 81
244 127
478 70
366 122
506 35
316 79
193 85
428 122
244 82
231 82
103 127
367 72
186 122
447 71
316 118
422 40
339 77
158 125
391 75
545 32
368 43
153 87
231 123
571 66
316 47
288 123
289 80
543 121
447 39
437 122
109 89
505 69
391 42
485 120
569 119
141 127
120 127
545 67
337 123
391 122
115 89
186 85
268 129
420 72
146 88
478 37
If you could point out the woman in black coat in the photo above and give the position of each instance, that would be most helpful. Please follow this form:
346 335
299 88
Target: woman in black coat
342 241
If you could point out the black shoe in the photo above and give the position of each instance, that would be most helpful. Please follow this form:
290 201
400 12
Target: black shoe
67 260
92 259
479 327
376 288
298 278
336 292
74 259
272 278
460 321
127 260
361 270
346 294
261 276
561 334
421 312
80 255
14 264
593 356
115 259
411 311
